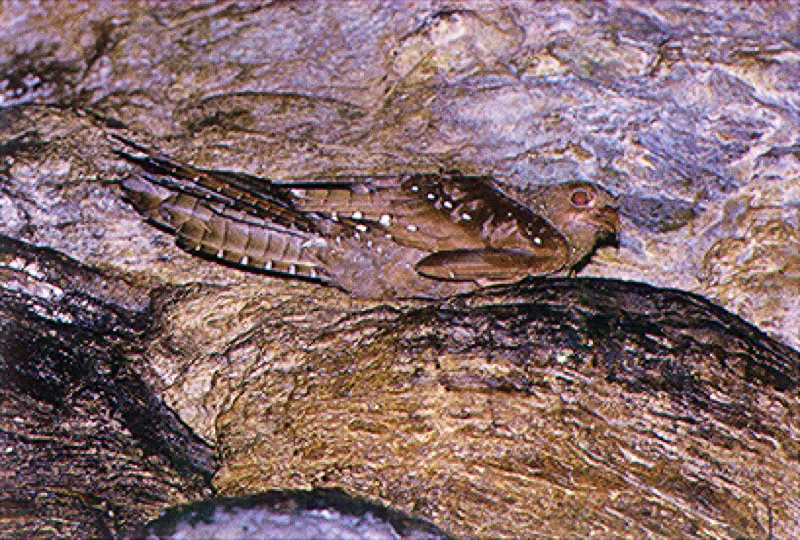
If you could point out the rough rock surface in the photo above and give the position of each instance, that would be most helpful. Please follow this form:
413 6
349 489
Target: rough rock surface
87 447
687 111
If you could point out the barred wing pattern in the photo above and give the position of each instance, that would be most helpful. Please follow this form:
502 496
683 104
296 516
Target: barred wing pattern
225 227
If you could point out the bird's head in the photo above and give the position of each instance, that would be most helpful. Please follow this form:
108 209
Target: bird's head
585 213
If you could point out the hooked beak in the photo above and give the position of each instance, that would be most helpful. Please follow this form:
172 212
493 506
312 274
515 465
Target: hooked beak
608 220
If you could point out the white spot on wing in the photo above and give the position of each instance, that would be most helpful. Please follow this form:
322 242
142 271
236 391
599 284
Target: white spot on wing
537 240
244 260
466 217
357 215
431 196
411 228
268 265
220 254
448 205
414 188
362 228
386 220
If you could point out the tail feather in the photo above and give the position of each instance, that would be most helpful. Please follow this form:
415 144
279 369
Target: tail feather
257 196
145 196
222 232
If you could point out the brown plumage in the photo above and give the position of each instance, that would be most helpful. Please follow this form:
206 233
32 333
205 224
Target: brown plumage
399 235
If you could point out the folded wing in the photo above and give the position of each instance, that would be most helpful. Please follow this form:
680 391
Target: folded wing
471 229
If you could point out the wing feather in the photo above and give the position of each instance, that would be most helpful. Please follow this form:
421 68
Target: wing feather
487 265
436 213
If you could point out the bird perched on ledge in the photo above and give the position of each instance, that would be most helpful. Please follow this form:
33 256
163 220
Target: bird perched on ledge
384 236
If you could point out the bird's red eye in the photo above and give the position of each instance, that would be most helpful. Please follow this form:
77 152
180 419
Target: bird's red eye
581 197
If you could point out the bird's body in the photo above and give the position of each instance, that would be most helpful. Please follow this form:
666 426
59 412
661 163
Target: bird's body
404 235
